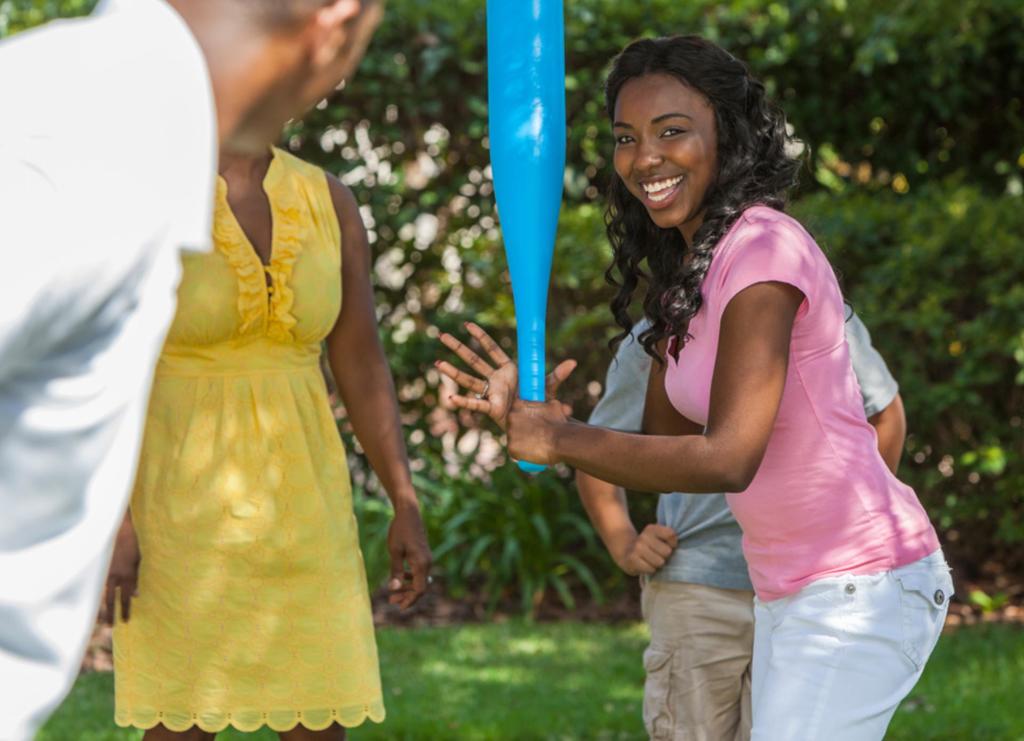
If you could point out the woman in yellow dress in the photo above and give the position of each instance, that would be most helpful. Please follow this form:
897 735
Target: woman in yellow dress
252 606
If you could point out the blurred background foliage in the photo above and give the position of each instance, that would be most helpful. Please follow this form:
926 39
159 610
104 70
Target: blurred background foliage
914 116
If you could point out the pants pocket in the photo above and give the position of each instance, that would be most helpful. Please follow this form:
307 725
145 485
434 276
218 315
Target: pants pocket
657 690
924 601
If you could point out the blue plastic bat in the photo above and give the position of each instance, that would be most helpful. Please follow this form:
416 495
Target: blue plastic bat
526 91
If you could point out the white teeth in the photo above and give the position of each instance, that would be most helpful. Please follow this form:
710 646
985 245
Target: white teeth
658 191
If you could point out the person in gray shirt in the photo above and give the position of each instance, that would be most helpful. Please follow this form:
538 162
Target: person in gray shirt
697 595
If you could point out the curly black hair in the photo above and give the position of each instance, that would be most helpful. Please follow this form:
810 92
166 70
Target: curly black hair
756 166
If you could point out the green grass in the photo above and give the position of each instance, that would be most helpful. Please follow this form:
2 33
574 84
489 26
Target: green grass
582 681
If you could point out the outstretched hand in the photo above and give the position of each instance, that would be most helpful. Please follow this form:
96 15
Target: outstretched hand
494 389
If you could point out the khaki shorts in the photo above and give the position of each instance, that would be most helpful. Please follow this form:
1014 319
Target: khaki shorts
698 662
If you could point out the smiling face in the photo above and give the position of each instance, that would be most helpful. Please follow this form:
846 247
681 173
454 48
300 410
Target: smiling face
666 149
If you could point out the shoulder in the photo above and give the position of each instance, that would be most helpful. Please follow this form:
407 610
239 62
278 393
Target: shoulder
770 226
299 166
765 245
344 200
764 235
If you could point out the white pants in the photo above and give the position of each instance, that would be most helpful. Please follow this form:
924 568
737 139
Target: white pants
834 660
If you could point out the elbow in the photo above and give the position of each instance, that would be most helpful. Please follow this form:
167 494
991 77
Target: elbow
727 479
737 481
737 461
737 476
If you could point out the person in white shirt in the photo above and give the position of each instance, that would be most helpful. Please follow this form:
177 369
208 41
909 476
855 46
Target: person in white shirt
108 137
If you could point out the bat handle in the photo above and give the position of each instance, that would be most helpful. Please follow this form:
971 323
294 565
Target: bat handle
532 310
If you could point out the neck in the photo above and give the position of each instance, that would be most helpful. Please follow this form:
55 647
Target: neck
243 166
689 227
245 62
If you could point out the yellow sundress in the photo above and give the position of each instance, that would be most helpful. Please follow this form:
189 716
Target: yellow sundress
252 604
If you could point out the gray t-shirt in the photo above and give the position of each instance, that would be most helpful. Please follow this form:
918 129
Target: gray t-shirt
709 550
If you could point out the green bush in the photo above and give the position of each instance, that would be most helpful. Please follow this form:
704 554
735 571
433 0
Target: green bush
17 15
509 541
938 279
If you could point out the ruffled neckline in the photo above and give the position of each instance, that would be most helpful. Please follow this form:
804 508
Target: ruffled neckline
261 306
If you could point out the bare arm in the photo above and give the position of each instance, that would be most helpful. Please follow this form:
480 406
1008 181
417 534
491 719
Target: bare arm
749 378
607 509
635 553
891 426
606 504
364 379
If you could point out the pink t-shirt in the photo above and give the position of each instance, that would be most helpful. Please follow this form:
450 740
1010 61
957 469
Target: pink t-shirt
823 501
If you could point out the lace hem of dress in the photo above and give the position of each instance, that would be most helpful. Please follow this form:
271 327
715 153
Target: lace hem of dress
251 720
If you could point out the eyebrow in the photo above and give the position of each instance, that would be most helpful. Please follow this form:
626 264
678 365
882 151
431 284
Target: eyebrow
657 119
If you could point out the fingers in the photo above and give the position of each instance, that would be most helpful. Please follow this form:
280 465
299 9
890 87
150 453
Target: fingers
399 591
117 593
407 590
650 565
396 581
637 564
665 534
649 557
652 548
654 545
660 548
557 377
107 606
498 356
127 591
472 383
420 571
466 354
397 571
471 403
405 587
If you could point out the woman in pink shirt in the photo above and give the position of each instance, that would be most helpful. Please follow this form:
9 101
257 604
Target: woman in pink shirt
753 393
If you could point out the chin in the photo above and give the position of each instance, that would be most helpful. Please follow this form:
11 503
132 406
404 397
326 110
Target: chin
671 218
251 142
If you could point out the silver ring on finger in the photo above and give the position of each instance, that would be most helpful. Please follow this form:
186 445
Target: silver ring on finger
483 394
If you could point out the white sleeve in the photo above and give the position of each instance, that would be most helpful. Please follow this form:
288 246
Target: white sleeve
877 385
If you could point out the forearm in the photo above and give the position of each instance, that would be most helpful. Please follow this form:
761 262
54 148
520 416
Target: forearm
370 400
654 463
891 427
608 512
127 528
